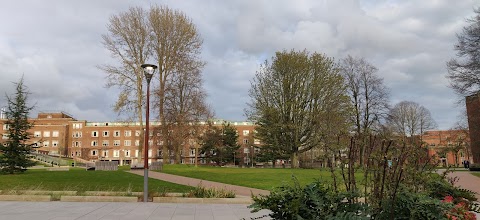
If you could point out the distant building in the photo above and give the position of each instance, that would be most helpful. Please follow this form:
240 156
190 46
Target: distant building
473 113
58 133
448 147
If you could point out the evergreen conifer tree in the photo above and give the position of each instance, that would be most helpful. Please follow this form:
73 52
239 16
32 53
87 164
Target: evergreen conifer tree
14 151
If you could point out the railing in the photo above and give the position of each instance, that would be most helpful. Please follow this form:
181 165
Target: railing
50 159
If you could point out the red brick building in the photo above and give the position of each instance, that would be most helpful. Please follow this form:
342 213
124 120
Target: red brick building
61 134
473 113
448 147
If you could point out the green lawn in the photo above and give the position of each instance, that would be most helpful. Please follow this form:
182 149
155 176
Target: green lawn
260 178
82 180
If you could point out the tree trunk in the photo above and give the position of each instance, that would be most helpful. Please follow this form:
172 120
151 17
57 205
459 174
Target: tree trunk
294 160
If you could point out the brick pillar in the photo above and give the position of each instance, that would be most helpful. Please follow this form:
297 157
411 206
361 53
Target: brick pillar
473 113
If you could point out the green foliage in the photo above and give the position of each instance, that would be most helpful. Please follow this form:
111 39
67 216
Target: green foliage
314 201
14 152
293 99
220 145
203 192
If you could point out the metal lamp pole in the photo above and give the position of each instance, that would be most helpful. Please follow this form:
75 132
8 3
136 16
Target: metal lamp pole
148 69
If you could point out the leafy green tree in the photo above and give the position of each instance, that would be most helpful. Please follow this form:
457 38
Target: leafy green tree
292 98
14 151
220 144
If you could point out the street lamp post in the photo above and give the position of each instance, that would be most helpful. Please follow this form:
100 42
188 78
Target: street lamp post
253 151
148 69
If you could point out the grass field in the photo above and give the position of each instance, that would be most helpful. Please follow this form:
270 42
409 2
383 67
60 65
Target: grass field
260 178
82 180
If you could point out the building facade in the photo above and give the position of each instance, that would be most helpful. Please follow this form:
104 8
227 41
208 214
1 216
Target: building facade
448 147
473 114
60 134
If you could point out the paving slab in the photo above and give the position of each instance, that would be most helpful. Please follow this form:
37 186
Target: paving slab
19 210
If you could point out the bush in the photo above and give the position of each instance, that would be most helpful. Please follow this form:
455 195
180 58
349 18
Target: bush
203 192
314 201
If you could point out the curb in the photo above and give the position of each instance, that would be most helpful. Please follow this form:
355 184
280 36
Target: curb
202 200
32 198
98 199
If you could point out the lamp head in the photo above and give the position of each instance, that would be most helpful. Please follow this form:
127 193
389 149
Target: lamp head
149 70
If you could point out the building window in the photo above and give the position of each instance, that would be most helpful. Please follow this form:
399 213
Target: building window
136 153
77 134
37 134
137 143
246 150
5 127
128 133
94 152
94 143
159 143
137 133
245 141
46 134
159 153
105 143
150 142
94 133
149 153
105 133
246 132
127 143
192 151
54 133
256 141
116 133
116 153
54 143
46 143
192 160
4 136
116 143
127 153
77 144
105 153
77 126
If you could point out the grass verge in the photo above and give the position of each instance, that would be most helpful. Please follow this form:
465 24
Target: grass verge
81 180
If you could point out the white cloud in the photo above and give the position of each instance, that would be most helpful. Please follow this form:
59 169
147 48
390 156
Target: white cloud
57 46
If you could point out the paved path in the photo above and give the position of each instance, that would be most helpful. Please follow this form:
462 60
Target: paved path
467 181
239 190
124 211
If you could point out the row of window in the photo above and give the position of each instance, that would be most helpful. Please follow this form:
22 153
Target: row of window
78 134
46 133
126 153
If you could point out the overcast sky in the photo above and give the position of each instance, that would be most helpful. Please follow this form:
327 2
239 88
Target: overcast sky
57 45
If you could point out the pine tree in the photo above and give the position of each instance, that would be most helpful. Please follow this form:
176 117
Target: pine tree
14 151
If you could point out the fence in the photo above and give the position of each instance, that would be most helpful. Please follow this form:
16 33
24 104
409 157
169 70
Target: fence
50 159
106 165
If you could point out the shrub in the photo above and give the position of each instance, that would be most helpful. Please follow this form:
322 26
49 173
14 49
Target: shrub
203 192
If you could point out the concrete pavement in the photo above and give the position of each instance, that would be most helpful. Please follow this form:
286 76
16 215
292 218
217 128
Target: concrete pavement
124 211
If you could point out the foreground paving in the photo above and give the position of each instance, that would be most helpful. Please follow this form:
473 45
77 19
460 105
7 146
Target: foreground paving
468 181
124 211
239 190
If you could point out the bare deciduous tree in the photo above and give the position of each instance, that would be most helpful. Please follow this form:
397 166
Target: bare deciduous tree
176 46
184 108
127 40
169 38
464 72
368 97
409 119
